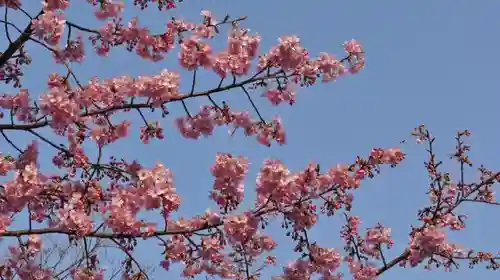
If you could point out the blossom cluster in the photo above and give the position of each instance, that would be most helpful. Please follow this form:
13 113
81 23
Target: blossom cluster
120 204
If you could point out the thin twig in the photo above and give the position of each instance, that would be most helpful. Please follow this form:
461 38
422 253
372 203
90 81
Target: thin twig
253 105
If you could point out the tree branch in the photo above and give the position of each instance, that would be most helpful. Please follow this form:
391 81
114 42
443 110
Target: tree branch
17 44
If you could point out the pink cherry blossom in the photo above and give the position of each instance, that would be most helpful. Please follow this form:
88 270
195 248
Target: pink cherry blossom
85 274
194 53
12 4
108 9
51 5
229 173
49 26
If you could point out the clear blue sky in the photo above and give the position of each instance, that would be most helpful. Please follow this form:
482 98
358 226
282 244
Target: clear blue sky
432 62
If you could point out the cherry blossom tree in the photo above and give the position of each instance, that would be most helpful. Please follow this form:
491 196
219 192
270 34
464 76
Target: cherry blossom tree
92 205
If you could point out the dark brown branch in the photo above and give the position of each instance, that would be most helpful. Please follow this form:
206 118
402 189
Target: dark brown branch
17 44
482 201
253 104
10 141
406 253
143 105
79 27
126 251
6 26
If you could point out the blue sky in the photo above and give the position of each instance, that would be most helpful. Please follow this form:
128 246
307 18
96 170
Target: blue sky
432 62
